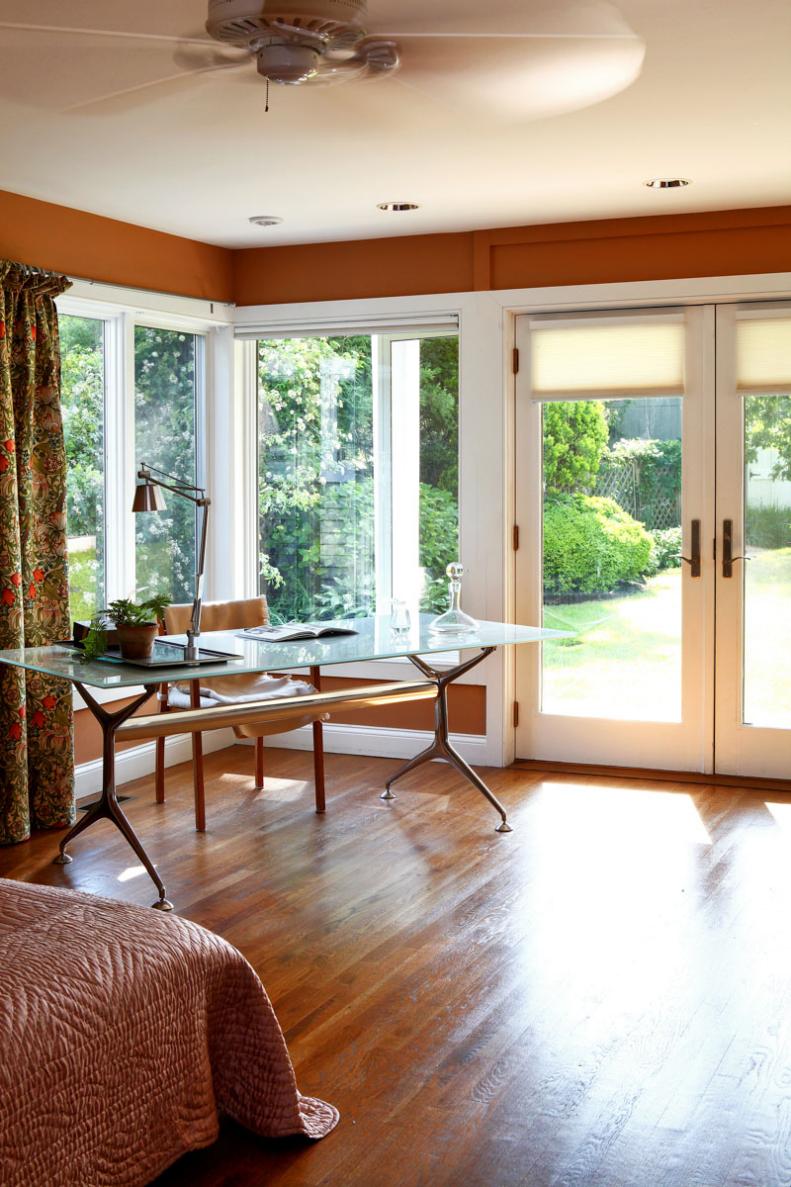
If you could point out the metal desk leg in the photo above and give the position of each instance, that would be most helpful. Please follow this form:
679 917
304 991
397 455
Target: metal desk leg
107 806
441 749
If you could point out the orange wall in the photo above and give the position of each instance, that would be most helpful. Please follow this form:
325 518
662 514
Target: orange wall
95 248
719 243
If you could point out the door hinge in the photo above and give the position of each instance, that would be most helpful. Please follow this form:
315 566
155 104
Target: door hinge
516 714
516 537
516 360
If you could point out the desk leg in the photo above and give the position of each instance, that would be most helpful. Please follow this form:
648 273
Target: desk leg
441 749
107 806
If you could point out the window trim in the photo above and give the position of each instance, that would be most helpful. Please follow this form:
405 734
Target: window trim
382 340
211 325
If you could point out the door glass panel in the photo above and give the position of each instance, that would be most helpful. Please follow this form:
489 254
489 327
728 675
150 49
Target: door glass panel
611 556
767 576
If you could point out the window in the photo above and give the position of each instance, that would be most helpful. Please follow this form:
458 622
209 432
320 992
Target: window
83 371
166 417
131 392
357 472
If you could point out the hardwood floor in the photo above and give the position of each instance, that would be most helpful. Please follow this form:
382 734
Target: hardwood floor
600 999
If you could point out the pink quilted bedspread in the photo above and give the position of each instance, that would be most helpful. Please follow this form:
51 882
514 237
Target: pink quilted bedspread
124 1033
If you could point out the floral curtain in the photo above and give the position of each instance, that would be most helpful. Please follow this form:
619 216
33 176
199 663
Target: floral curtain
36 750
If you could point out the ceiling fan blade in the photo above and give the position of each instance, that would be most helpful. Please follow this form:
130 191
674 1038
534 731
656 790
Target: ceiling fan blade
38 73
518 79
132 96
505 18
194 38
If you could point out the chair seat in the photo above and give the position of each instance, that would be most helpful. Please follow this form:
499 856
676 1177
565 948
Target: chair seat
239 690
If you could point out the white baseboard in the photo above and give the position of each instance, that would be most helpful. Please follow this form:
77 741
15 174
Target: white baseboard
378 743
138 761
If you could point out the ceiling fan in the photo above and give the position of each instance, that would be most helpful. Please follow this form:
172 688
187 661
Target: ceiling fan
526 59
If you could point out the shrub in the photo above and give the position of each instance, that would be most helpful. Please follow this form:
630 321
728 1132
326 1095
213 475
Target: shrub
768 527
591 545
666 551
575 438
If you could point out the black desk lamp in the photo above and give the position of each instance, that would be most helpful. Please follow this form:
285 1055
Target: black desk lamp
149 497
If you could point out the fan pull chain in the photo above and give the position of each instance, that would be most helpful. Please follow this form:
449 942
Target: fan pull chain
267 96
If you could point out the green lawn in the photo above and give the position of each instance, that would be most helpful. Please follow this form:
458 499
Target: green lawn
624 661
82 583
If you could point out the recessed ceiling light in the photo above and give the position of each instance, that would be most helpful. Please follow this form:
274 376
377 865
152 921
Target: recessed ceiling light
666 183
397 207
266 220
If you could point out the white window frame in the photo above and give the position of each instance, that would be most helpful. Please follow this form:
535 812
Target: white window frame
390 535
121 311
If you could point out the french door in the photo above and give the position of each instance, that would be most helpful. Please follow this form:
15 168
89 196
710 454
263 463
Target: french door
653 495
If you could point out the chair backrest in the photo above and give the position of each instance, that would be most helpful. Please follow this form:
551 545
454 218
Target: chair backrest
218 616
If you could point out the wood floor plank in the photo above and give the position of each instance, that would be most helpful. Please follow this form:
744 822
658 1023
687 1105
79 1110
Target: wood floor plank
599 999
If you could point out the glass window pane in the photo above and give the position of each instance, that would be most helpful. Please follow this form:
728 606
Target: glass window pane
337 520
82 362
316 477
439 467
612 545
767 576
166 437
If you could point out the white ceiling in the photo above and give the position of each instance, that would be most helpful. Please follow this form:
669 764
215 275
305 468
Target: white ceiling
199 155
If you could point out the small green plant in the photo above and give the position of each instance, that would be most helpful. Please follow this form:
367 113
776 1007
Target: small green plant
94 644
125 612
122 612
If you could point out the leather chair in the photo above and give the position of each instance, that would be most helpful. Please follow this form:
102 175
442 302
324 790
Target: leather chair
229 616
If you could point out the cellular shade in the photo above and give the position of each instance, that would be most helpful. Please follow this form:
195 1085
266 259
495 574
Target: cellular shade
607 358
763 354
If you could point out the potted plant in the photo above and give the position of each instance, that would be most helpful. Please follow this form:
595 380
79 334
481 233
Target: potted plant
136 625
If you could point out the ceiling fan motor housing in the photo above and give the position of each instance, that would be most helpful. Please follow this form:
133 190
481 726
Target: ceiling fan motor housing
246 22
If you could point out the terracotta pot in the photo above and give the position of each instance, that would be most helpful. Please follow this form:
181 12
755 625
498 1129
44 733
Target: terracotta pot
137 642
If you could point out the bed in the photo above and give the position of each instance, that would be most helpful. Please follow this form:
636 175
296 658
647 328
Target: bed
125 1034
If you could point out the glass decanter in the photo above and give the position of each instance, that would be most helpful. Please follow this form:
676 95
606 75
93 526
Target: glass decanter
454 621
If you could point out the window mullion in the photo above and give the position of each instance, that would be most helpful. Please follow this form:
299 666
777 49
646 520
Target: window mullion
119 456
383 472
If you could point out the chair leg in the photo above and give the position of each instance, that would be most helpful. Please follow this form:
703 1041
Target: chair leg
259 764
318 750
159 768
197 765
160 771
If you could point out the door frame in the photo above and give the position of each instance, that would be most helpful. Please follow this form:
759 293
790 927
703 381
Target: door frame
740 749
684 745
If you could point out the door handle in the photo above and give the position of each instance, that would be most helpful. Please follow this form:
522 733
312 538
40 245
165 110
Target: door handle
728 559
694 560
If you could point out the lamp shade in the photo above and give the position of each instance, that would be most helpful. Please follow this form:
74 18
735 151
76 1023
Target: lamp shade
148 498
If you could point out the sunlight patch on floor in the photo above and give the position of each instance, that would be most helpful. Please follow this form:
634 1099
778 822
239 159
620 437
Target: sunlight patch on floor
781 814
621 815
131 872
283 791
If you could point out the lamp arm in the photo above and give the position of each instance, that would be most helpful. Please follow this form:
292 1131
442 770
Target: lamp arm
146 474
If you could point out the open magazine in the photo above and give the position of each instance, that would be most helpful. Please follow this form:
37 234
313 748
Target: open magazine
295 630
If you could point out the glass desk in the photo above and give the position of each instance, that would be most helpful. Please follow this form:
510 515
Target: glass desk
375 639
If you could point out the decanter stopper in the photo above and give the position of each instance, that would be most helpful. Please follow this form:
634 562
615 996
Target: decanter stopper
454 621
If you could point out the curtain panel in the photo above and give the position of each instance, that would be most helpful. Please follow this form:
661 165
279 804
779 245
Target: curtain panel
36 729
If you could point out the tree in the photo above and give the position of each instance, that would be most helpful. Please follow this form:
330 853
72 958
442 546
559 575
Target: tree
767 425
575 438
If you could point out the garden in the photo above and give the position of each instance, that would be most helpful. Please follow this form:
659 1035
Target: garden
612 545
